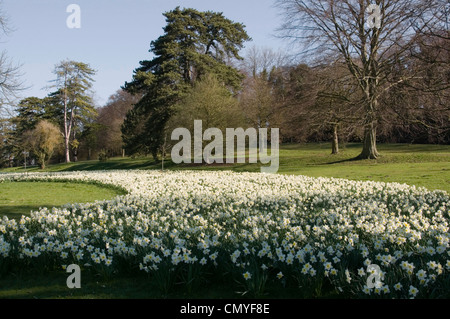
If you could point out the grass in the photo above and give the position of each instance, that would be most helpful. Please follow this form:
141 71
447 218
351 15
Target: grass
421 165
140 286
20 198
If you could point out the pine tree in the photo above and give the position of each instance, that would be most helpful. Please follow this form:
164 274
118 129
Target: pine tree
29 112
194 44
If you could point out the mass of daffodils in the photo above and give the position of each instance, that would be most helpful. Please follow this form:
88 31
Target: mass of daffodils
255 228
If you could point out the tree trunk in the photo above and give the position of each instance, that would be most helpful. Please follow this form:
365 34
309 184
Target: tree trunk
370 142
75 146
42 161
163 153
369 150
67 148
155 156
66 127
335 144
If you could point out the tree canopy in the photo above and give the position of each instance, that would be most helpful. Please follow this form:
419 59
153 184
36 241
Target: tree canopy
193 45
73 82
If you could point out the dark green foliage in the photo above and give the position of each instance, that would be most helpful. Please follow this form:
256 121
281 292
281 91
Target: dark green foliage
29 112
133 133
194 44
70 107
103 156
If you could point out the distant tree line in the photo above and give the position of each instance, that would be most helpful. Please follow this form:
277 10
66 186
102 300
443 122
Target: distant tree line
381 85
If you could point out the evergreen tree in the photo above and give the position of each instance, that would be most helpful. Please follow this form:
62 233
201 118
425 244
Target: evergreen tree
194 44
73 82
29 112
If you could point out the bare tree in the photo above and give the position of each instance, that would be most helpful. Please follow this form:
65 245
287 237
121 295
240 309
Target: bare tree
260 59
336 102
369 51
110 119
258 101
418 107
440 28
10 83
257 98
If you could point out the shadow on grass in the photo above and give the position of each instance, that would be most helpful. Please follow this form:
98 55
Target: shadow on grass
16 212
346 160
414 148
113 165
21 284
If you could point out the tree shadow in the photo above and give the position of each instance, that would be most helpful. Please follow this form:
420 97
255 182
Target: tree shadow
113 165
16 212
347 160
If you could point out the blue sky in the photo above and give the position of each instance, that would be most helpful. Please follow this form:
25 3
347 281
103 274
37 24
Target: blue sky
114 35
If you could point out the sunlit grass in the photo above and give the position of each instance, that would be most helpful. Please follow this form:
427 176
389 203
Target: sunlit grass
20 198
421 165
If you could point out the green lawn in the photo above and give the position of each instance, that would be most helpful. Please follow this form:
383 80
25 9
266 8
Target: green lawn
421 165
20 198
136 286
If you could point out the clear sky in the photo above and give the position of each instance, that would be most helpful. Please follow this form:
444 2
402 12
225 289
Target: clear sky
114 35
